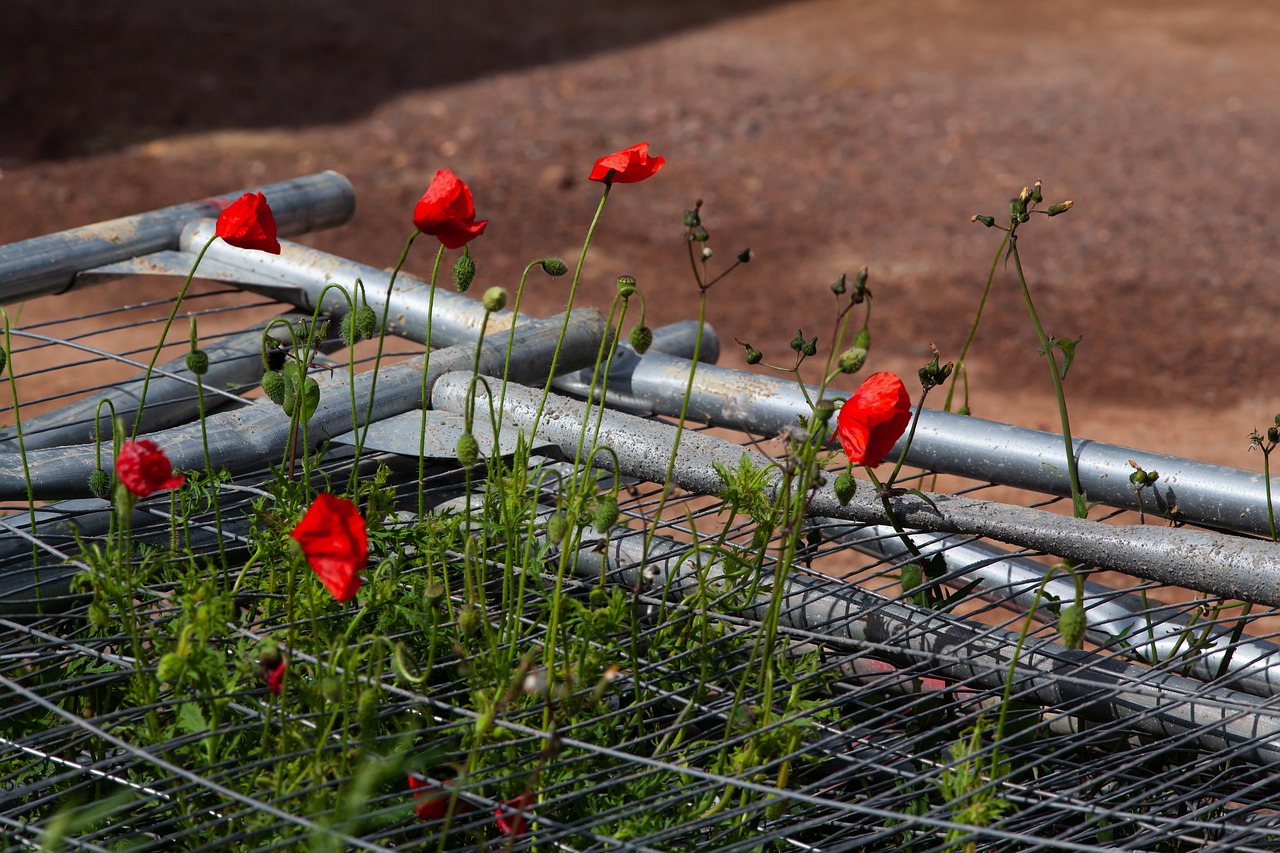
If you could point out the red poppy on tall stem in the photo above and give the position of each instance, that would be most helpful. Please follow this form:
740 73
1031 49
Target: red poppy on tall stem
447 212
247 223
628 166
873 418
431 801
333 540
143 468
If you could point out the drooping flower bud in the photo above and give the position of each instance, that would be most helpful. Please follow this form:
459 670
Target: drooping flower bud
1071 625
557 528
273 386
605 514
366 322
468 449
852 360
554 267
198 362
845 487
348 331
495 299
641 338
100 483
464 272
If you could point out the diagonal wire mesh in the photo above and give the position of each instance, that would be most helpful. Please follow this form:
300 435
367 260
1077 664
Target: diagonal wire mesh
948 716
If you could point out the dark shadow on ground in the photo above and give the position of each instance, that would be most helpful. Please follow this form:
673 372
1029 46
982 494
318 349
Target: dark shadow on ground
84 76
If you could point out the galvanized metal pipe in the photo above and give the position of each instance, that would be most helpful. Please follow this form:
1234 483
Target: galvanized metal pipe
1119 621
50 264
987 451
244 439
1230 566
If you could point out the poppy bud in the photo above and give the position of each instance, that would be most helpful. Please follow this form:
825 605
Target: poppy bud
366 704
863 338
434 593
1060 207
198 362
557 528
851 360
468 449
100 484
171 667
626 286
860 283
366 322
988 221
349 333
641 339
845 487
273 386
495 299
1071 625
470 619
598 597
554 267
464 272
605 515
744 257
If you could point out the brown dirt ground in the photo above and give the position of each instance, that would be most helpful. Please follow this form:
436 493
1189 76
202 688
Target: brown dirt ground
823 134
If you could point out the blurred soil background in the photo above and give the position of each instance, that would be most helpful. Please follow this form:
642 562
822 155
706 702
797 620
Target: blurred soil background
823 134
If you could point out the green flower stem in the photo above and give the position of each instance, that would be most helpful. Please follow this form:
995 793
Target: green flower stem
511 337
22 448
1078 504
208 462
377 358
426 362
155 356
911 434
564 328
977 319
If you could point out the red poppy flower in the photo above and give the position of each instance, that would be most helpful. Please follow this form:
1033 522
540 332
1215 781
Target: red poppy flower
332 538
144 469
628 166
274 676
873 419
431 801
247 223
447 212
510 814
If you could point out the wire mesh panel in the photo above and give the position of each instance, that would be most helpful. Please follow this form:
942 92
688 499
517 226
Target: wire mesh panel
585 640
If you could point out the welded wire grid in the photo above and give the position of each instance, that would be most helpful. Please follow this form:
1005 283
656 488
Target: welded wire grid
872 743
